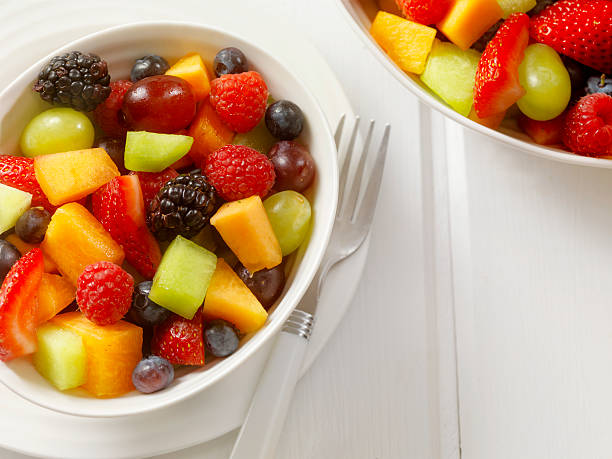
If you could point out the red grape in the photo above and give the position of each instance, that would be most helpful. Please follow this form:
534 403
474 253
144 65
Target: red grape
294 167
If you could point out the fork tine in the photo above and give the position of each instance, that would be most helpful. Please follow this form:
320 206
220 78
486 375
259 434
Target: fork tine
368 205
346 163
338 134
350 204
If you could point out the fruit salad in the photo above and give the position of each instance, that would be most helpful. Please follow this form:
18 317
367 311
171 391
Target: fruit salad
540 66
147 223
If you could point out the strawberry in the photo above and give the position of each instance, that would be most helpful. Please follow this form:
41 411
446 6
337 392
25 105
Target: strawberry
543 132
588 126
497 84
180 340
580 29
152 182
18 304
424 11
18 172
119 206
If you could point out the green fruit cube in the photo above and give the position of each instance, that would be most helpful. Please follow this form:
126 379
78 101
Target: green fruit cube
61 357
182 279
450 73
258 138
516 6
152 152
14 203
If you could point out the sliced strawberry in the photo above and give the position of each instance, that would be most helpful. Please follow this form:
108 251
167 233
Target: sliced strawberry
18 172
179 340
497 84
119 206
18 304
543 132
152 182
580 29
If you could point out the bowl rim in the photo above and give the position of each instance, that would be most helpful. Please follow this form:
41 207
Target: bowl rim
351 15
295 292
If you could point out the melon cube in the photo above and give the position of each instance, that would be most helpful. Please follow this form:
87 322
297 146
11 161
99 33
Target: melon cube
54 294
182 279
208 131
228 298
258 138
113 351
70 176
191 68
467 20
246 229
61 357
450 73
407 43
153 152
24 247
14 203
75 239
516 6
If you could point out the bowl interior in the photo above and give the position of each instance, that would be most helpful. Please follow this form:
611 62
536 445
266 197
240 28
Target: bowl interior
120 46
360 14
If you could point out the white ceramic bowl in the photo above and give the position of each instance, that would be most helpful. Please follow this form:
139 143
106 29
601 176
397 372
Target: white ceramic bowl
360 13
120 46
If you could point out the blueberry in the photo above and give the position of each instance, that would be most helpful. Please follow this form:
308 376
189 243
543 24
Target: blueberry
8 257
152 374
32 225
220 338
145 312
230 60
597 84
147 66
284 120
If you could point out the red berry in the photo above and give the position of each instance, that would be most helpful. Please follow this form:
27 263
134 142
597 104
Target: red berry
119 206
424 11
580 29
152 182
108 114
18 306
104 292
238 172
588 126
18 172
239 99
180 340
543 132
497 84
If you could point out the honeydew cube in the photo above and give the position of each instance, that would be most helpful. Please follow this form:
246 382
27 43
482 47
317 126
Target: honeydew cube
516 6
13 203
467 20
153 152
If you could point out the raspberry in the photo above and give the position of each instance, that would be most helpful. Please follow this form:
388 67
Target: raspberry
238 172
104 292
588 126
239 99
424 11
108 113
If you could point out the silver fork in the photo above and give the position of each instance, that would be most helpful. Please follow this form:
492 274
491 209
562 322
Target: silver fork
259 434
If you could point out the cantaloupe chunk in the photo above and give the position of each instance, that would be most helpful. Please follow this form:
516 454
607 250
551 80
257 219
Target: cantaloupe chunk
191 68
467 20
407 43
70 176
113 351
54 294
228 298
208 131
246 229
492 121
24 247
75 239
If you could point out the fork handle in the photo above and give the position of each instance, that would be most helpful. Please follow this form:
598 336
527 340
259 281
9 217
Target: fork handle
263 425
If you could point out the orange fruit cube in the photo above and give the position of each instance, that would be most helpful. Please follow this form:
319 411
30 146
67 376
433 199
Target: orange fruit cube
467 20
208 131
70 176
113 351
191 68
75 239
24 247
54 294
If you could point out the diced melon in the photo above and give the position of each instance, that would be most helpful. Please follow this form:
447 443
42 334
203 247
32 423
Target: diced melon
54 294
113 351
230 299
450 73
13 203
182 279
208 131
191 68
246 229
467 20
516 6
407 43
24 247
258 138
70 176
153 152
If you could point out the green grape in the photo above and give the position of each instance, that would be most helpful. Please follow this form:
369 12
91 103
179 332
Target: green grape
57 130
289 213
546 82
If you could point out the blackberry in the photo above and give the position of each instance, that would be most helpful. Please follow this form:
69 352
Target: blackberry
76 79
182 207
